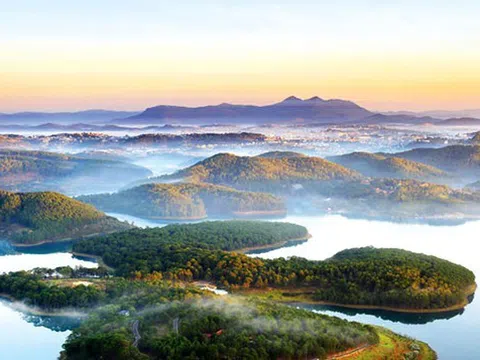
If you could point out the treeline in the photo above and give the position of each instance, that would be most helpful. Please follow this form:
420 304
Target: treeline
30 288
214 235
186 201
216 330
32 217
40 288
195 252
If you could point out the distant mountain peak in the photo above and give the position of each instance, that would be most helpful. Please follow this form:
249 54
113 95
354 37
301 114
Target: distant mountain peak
315 99
292 99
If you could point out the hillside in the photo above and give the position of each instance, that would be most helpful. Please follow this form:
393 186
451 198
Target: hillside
378 165
463 121
30 218
403 200
45 171
271 173
173 320
187 201
458 159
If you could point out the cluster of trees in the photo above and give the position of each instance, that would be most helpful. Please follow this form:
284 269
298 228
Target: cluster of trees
69 272
186 201
41 288
380 165
365 276
187 139
33 217
214 235
454 158
30 288
217 329
296 175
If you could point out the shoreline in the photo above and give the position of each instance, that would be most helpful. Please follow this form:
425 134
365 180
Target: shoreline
98 259
45 242
26 309
468 293
235 215
274 246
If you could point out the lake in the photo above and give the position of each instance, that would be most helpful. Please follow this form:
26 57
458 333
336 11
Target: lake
25 336
453 336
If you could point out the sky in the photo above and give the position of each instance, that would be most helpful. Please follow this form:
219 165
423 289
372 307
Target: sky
129 55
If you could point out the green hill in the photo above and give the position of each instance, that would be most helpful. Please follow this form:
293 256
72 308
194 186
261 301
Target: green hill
30 218
187 201
270 172
460 160
378 165
44 171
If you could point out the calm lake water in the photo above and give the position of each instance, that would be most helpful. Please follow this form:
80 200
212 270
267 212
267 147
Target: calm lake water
453 336
24 336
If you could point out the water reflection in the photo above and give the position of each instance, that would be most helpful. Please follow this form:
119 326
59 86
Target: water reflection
404 318
453 335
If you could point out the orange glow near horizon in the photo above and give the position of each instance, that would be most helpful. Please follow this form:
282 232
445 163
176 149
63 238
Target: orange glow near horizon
60 75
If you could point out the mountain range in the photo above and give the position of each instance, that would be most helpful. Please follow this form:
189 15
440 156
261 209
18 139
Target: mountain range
292 110
90 116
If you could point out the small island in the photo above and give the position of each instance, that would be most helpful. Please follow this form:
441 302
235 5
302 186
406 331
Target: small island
28 219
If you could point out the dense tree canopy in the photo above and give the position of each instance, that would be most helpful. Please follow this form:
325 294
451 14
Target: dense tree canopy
33 217
215 329
380 165
187 201
365 276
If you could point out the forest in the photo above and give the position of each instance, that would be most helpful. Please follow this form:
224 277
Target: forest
367 276
187 201
380 165
29 218
214 329
254 173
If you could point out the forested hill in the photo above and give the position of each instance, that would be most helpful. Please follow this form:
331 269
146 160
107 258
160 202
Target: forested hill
378 165
30 218
213 235
187 201
216 329
264 172
377 277
454 158
41 171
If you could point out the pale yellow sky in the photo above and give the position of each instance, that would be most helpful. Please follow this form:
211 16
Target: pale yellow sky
384 57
